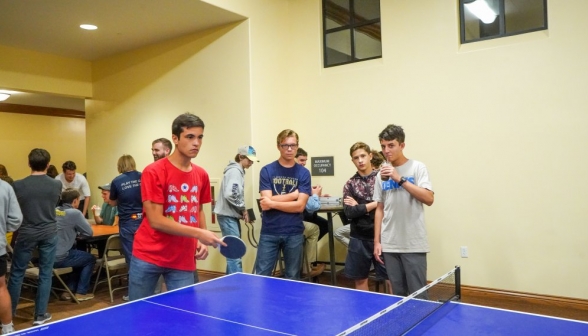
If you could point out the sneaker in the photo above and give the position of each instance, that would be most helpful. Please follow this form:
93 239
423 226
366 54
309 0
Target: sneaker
84 297
40 319
125 298
65 296
7 329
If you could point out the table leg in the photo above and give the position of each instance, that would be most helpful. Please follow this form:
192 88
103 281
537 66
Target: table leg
332 250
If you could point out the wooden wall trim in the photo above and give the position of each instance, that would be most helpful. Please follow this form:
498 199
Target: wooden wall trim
498 293
557 306
41 110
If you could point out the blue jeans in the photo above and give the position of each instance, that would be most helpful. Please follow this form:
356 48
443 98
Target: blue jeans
23 252
230 226
269 249
143 278
83 264
127 232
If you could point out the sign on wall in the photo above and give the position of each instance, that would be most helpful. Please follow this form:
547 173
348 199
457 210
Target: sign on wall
322 166
211 220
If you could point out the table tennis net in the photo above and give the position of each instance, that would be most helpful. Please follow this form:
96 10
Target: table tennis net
405 314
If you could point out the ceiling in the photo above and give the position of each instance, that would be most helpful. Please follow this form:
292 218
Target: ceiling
53 27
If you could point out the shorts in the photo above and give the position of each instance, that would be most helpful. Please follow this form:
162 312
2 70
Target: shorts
3 265
360 258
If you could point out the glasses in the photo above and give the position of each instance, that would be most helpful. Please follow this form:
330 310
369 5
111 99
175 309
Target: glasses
289 146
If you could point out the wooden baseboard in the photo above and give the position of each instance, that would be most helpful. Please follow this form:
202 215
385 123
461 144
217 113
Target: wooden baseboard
559 306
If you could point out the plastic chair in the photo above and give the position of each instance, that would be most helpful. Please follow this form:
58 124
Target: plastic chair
112 260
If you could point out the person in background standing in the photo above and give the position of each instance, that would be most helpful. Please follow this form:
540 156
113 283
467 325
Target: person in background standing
230 204
360 207
10 220
173 233
70 179
4 175
285 187
342 234
125 194
52 171
160 148
400 236
37 196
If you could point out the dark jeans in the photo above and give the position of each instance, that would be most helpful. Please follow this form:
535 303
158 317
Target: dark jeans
83 264
127 232
23 252
268 252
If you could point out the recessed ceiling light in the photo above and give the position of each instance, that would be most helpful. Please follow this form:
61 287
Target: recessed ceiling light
88 27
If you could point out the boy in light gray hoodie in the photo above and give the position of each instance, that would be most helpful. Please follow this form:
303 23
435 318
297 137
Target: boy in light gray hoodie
10 220
230 203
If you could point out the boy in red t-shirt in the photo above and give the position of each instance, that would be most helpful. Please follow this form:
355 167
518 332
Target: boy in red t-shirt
173 231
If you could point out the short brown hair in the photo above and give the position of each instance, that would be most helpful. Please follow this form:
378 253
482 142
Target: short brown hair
69 195
377 159
300 152
165 142
359 145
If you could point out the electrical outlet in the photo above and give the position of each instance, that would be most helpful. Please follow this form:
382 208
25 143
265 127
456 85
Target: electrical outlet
464 251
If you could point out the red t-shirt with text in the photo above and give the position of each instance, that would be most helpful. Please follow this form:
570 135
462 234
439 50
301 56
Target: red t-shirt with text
182 194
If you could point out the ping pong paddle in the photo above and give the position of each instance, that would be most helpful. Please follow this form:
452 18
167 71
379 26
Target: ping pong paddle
235 247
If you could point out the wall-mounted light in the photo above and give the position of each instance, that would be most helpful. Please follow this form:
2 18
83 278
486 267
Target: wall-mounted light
4 96
481 10
88 27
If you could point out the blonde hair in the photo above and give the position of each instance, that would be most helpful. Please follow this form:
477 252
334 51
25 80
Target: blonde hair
286 134
126 163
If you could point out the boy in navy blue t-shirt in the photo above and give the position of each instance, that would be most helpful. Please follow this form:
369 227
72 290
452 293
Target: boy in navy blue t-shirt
285 187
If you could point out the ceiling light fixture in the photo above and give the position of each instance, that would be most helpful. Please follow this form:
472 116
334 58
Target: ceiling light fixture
4 96
88 27
481 10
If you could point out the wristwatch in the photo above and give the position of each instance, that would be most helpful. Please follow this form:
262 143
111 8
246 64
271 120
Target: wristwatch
402 180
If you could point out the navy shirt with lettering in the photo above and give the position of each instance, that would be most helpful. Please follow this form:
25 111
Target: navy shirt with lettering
281 180
125 189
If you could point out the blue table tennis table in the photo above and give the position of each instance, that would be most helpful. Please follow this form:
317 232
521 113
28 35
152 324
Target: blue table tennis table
245 304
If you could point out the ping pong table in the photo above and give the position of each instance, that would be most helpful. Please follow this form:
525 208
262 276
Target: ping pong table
245 304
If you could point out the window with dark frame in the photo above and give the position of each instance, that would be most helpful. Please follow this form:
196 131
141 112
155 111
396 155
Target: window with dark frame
351 31
488 19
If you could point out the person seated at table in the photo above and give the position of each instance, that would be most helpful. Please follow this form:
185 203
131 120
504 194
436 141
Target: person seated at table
70 224
312 235
107 214
312 216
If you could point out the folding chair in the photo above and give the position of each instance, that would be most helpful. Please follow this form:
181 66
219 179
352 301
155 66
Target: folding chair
112 260
32 273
